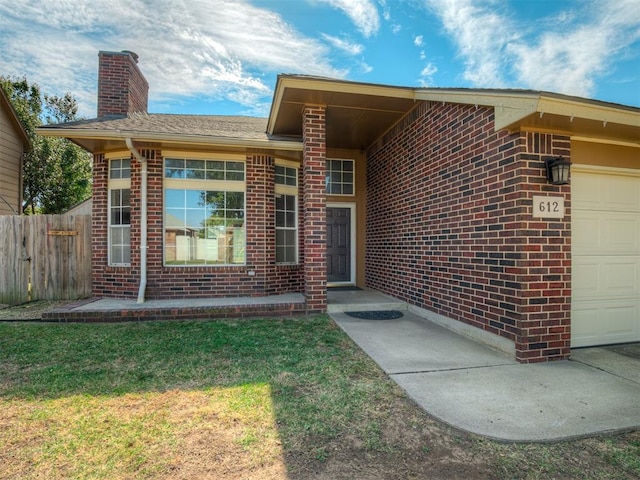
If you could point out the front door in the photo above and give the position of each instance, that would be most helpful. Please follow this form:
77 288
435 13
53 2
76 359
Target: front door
338 245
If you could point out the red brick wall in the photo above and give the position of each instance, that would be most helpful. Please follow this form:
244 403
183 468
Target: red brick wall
449 226
119 282
122 89
271 279
290 278
545 324
181 282
314 201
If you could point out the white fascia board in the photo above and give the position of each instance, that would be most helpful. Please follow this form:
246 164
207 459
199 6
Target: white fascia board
589 111
508 108
340 86
275 105
161 137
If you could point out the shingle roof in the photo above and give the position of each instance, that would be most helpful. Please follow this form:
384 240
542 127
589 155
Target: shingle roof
249 128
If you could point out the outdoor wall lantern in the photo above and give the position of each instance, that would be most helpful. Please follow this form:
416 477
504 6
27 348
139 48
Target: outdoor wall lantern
557 170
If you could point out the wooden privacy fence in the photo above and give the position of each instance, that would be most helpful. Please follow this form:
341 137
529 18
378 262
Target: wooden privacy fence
44 257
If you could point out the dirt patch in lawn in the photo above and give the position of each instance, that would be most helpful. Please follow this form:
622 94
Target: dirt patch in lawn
180 435
407 445
413 445
29 311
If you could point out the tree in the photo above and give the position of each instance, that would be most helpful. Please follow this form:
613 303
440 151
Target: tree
56 172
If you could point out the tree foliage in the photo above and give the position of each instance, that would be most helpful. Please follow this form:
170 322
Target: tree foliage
56 172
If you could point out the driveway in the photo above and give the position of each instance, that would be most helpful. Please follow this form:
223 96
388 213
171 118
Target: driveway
472 387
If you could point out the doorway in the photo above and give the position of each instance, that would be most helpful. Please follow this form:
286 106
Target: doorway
340 244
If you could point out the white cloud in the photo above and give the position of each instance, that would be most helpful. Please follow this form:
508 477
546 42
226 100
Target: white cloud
426 75
564 52
481 35
197 48
418 41
347 46
386 10
363 13
569 60
366 68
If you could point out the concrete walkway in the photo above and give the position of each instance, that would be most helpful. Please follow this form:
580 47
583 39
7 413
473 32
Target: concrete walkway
477 389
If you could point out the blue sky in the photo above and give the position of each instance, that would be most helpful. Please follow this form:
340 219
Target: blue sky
222 57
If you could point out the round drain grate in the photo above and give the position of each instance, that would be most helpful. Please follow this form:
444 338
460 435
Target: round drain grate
376 315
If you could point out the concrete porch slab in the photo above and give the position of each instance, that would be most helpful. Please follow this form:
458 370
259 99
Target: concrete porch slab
120 310
361 300
122 304
113 309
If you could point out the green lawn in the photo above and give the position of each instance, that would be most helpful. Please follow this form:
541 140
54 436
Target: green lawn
265 398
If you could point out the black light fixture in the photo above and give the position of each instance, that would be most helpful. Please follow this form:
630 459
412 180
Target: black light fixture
557 170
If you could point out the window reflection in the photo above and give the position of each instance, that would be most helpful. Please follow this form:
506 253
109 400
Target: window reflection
204 227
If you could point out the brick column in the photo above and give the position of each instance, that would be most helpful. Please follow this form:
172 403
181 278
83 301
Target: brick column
155 220
99 224
260 220
544 320
314 202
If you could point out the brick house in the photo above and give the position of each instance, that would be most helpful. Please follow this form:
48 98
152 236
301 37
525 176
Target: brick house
438 197
13 143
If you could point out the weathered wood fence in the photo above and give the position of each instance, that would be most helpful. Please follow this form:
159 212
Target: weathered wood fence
44 257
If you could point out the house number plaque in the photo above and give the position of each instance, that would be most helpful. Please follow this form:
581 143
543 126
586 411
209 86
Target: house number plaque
548 207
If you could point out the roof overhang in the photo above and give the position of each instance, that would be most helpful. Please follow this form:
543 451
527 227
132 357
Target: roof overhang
356 113
104 141
549 112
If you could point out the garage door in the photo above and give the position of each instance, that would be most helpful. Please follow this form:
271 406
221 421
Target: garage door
605 237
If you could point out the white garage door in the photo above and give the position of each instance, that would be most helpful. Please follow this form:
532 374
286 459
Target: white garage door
605 237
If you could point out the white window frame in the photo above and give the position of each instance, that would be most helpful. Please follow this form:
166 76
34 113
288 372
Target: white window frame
289 190
353 180
203 185
117 184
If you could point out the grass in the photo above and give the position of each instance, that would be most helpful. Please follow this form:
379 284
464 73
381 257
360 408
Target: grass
272 398
95 397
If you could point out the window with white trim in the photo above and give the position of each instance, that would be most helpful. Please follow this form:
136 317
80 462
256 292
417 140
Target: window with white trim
286 209
119 205
340 177
204 212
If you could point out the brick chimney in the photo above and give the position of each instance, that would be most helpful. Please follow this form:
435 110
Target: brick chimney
122 89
